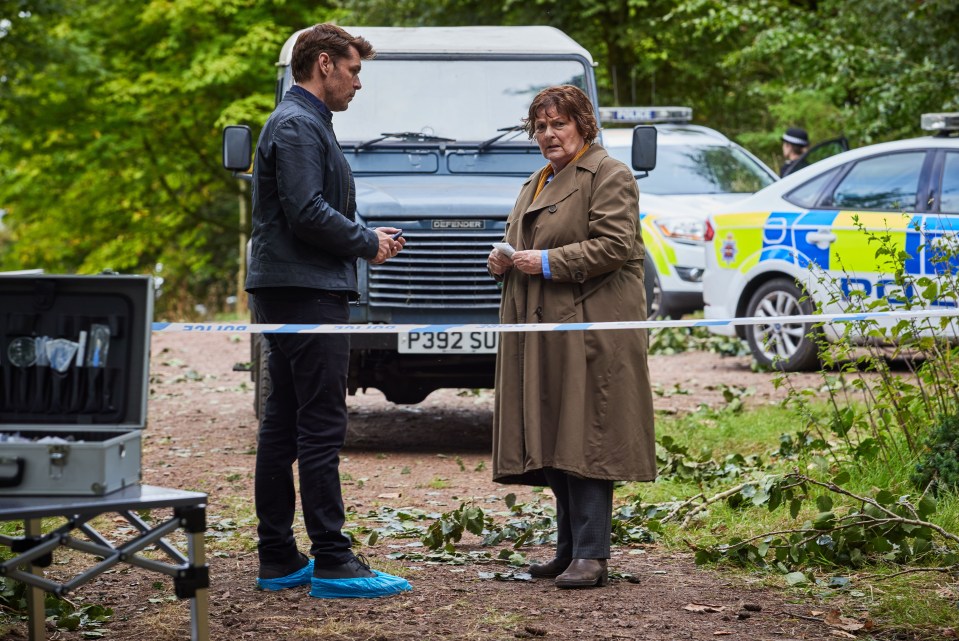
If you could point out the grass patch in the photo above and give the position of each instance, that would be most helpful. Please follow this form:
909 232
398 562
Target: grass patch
709 452
438 483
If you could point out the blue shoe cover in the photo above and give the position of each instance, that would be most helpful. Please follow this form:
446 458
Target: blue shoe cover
295 580
361 588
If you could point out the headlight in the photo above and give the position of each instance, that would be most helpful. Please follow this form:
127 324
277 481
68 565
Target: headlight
683 228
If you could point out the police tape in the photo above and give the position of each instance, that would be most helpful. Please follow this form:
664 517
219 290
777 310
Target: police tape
376 328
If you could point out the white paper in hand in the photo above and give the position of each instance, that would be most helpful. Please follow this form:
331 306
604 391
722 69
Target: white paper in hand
506 248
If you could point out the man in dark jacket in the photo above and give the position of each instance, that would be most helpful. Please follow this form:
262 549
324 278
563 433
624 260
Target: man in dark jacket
305 244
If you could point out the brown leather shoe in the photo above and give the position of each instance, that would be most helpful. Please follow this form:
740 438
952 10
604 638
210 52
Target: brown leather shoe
549 570
584 573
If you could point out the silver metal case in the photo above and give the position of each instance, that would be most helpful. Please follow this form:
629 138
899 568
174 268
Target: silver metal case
98 404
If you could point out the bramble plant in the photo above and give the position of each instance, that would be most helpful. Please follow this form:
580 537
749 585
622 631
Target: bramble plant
874 418
939 461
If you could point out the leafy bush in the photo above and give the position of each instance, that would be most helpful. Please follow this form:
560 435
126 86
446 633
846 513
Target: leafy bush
939 462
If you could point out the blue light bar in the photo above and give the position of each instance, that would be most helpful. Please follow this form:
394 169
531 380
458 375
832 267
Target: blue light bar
640 115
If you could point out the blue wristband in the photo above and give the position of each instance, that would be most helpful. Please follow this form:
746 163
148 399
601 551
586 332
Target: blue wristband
545 259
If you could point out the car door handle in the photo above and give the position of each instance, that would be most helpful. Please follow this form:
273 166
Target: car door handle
821 239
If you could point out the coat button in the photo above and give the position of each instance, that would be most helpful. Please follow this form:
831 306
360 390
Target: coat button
552 209
579 277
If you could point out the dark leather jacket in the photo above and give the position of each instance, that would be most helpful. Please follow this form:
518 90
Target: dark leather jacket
304 205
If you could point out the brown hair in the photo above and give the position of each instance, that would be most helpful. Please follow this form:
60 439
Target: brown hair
329 38
569 101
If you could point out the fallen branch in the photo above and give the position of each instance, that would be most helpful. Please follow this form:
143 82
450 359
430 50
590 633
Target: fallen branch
679 507
832 487
713 499
883 577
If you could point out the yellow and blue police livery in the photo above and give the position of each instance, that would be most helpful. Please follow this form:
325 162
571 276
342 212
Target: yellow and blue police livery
697 171
812 238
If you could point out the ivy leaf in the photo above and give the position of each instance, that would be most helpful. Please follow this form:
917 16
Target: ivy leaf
824 521
775 498
824 503
926 507
796 578
880 544
704 556
474 520
885 498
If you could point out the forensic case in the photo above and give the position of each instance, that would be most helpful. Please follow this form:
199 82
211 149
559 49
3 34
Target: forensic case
74 375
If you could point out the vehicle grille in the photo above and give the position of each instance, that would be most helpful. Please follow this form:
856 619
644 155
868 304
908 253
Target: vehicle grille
439 269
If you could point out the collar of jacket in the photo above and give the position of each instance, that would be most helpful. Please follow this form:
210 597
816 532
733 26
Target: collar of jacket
565 183
302 97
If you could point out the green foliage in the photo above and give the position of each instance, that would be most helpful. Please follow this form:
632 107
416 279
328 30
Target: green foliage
833 66
876 418
939 459
63 614
674 460
111 116
449 528
879 528
674 340
876 412
110 113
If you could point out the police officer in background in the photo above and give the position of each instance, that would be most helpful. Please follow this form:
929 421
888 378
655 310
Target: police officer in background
795 144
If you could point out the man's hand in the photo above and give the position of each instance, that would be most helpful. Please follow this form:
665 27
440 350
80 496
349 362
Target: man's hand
388 247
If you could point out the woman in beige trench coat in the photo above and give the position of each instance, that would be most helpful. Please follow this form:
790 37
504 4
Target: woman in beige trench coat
573 408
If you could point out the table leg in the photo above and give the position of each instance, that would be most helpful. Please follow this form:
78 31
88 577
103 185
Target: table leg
36 619
199 604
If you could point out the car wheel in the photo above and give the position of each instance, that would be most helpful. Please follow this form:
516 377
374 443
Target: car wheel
654 293
409 394
791 347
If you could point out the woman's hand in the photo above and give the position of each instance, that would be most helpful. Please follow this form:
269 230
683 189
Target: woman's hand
498 262
529 261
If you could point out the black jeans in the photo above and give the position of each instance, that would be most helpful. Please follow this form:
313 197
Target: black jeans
304 420
584 515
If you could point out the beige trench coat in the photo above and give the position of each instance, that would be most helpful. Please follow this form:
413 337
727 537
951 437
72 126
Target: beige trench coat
578 401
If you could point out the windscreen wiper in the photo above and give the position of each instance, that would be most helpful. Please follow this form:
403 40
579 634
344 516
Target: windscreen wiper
406 136
486 144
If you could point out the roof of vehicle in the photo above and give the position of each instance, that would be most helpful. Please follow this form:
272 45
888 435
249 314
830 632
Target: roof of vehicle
774 195
538 40
800 176
668 134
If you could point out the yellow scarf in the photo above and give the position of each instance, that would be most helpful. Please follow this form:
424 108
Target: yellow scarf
548 171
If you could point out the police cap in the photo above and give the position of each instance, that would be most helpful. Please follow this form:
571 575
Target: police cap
796 136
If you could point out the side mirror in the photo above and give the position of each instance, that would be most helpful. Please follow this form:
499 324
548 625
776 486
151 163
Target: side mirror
237 148
644 148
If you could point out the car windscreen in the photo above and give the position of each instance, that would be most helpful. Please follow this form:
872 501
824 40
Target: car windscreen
709 169
466 100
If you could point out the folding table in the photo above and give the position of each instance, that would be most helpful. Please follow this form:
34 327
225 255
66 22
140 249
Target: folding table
33 551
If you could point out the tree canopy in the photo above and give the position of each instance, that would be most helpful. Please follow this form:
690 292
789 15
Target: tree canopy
111 113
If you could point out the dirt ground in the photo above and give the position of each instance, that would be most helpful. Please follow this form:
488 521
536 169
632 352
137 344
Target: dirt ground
201 435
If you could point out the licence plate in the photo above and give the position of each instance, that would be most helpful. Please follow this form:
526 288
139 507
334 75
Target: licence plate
445 343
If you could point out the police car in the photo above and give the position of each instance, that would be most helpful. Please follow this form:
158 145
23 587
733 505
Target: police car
697 170
806 240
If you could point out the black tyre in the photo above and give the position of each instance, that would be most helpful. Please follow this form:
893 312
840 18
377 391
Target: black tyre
792 347
409 394
654 293
261 374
